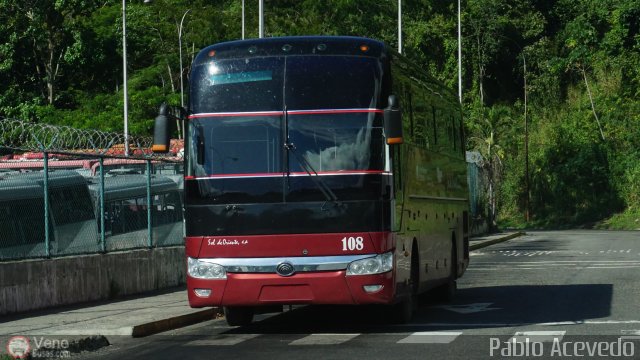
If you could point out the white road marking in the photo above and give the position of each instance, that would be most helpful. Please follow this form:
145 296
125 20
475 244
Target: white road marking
570 264
566 262
431 337
324 339
556 323
537 336
223 340
630 334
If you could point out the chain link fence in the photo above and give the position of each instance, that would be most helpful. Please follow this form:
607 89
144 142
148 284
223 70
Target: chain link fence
58 200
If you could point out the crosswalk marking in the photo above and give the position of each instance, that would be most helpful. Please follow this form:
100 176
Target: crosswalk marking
537 336
420 337
223 340
324 339
431 337
630 334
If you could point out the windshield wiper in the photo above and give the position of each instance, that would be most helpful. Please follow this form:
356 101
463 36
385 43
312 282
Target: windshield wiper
317 180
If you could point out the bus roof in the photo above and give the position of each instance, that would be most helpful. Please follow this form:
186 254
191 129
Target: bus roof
292 45
57 178
131 186
17 188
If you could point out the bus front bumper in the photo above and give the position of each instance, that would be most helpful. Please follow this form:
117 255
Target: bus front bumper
325 287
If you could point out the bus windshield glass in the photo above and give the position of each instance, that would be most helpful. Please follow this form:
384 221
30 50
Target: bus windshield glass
239 110
337 142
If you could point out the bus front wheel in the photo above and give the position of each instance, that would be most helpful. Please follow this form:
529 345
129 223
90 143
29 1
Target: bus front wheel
238 315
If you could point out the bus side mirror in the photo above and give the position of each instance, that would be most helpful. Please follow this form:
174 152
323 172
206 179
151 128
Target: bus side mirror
161 131
393 122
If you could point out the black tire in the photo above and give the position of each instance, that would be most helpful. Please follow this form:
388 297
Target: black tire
402 312
238 315
447 292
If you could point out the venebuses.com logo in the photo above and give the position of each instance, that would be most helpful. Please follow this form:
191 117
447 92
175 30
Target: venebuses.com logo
19 347
22 347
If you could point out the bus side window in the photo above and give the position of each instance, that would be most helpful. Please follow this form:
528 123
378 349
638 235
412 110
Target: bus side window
407 112
443 124
420 113
398 193
434 125
451 126
461 135
397 169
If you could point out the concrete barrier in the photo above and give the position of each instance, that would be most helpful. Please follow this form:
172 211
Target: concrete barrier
37 284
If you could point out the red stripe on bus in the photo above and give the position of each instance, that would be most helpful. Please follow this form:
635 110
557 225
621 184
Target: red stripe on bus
290 112
234 114
333 111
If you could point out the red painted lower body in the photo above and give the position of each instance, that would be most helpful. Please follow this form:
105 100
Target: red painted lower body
331 287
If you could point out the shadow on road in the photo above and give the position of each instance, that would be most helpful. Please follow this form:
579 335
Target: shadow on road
479 307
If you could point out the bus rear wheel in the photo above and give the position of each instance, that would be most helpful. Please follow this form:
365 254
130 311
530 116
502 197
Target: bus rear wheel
238 315
447 292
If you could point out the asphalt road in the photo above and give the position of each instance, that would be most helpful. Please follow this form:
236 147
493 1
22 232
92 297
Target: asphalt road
527 296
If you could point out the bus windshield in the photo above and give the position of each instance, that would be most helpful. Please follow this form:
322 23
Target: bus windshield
239 110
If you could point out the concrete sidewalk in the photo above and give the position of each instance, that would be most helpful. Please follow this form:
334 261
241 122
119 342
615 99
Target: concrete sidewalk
140 316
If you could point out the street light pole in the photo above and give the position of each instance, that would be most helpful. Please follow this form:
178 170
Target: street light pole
242 19
261 19
180 46
400 26
124 75
527 212
181 69
459 54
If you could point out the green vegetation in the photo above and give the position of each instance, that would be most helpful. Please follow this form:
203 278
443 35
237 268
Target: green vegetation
60 63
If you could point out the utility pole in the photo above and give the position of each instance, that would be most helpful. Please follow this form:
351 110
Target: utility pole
124 75
261 19
400 26
459 54
242 19
527 211
181 69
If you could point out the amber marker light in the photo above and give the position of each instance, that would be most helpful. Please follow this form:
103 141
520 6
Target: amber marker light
364 48
396 140
159 148
212 53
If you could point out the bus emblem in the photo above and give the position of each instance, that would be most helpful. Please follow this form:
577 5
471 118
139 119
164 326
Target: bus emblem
285 269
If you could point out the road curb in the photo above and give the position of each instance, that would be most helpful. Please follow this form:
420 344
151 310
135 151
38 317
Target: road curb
172 323
495 241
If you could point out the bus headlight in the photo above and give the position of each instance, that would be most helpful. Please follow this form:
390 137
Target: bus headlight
375 265
205 270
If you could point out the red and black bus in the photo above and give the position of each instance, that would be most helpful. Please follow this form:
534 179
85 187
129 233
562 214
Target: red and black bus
319 170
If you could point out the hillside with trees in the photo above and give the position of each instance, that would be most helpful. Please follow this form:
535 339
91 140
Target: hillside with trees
562 77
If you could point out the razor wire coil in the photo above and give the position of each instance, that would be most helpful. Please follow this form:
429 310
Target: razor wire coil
29 136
